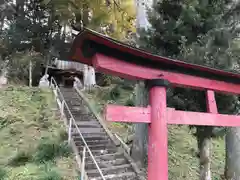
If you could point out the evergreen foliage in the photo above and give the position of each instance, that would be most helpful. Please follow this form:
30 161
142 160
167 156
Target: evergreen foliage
198 32
177 23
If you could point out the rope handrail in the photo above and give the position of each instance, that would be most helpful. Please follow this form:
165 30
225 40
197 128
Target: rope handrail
53 82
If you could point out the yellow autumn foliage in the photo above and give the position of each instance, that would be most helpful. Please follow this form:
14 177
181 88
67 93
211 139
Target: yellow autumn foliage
116 15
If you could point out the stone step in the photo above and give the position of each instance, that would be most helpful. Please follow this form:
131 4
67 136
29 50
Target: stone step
73 102
100 152
78 112
68 90
72 96
87 124
88 130
98 147
78 116
106 157
125 176
82 117
93 142
77 108
106 164
90 135
111 170
91 138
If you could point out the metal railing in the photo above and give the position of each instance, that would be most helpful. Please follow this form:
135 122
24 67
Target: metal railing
123 144
62 104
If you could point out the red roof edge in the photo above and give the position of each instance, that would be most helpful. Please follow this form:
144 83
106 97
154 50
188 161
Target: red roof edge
77 54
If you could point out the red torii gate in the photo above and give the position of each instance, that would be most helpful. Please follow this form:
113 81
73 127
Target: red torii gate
112 57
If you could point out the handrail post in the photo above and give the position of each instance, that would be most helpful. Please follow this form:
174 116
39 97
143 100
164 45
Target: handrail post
83 163
62 108
70 131
123 144
51 82
55 92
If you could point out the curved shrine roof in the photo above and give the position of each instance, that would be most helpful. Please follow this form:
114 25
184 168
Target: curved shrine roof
87 43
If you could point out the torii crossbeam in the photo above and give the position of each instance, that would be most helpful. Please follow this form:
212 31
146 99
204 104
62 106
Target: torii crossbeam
112 57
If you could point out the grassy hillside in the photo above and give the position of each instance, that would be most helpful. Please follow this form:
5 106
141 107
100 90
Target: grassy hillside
183 163
32 139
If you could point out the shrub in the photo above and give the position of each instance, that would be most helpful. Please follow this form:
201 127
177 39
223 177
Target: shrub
2 173
50 175
48 150
63 135
6 121
127 85
49 172
130 102
42 117
106 80
21 158
115 92
31 171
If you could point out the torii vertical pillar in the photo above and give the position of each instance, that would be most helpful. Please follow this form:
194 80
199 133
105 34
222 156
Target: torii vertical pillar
156 116
158 134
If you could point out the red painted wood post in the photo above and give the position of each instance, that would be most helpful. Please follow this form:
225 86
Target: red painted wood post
157 145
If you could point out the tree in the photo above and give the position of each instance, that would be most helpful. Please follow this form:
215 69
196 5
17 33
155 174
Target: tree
139 145
189 20
217 52
112 17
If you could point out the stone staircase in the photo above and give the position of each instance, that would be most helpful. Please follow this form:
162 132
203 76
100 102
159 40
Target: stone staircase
110 159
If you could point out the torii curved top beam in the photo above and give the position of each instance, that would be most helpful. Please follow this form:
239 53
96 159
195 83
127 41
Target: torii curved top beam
111 56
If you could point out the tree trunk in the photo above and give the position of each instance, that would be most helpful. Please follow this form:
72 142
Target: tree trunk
139 146
1 22
3 77
89 78
204 147
85 16
30 73
232 164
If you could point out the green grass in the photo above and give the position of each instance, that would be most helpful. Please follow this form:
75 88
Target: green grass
182 146
32 138
2 173
48 150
